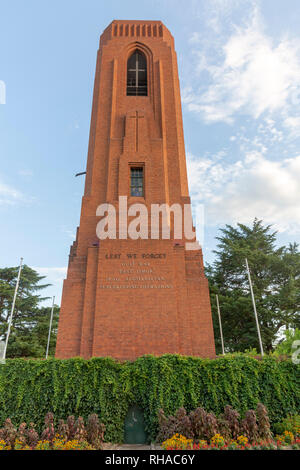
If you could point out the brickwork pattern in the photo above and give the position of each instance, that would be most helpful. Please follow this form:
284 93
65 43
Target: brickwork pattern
157 304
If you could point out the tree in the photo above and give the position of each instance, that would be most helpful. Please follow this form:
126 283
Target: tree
30 324
275 274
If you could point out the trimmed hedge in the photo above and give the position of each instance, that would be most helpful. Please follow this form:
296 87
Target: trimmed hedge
31 388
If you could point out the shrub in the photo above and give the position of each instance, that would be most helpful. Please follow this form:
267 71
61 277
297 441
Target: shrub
63 429
232 419
198 420
201 425
71 427
95 431
70 436
291 423
249 426
183 423
287 437
264 429
8 433
49 431
167 426
30 388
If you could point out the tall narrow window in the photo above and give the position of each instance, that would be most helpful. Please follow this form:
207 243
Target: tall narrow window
137 181
137 74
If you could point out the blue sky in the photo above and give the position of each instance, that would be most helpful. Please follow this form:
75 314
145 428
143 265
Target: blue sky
239 65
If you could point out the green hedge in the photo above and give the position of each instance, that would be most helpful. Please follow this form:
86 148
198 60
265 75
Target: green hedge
31 388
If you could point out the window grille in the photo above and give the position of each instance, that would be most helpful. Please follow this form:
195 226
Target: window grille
137 75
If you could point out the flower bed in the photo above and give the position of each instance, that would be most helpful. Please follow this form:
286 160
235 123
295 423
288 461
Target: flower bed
74 434
58 443
201 430
218 442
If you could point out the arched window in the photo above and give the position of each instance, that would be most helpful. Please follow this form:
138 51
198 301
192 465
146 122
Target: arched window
137 74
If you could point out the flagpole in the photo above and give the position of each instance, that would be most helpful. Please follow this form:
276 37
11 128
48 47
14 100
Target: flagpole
12 309
254 308
220 324
50 327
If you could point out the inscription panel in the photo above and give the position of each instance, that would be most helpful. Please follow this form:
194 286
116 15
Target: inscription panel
135 271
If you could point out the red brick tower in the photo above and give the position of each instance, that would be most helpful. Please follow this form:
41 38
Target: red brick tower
125 298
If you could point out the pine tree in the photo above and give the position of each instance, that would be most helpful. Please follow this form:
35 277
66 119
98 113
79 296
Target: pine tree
275 274
30 326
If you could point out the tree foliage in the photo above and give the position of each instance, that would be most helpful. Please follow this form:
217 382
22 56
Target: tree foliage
30 325
275 273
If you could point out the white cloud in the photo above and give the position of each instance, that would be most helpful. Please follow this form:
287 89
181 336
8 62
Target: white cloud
237 73
292 123
53 274
241 191
9 195
253 75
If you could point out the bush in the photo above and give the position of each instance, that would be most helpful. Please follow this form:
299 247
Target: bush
31 388
70 436
200 425
291 424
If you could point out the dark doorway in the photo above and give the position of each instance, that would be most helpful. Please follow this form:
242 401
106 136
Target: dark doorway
134 428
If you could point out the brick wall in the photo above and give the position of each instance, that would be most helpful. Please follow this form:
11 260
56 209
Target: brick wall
109 307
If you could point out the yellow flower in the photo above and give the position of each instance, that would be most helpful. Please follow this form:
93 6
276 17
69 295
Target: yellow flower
218 440
288 437
178 442
242 440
